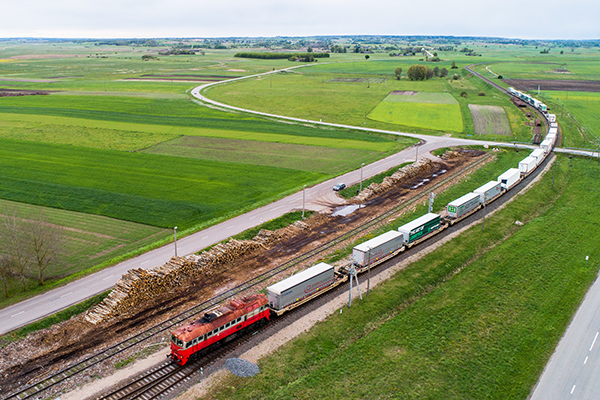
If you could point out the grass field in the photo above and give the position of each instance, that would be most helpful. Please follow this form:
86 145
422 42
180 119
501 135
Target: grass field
489 120
88 240
155 190
321 159
477 318
431 110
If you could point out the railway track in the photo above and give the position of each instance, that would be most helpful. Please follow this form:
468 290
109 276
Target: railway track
35 390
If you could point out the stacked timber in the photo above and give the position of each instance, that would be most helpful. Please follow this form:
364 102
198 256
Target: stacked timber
405 173
137 286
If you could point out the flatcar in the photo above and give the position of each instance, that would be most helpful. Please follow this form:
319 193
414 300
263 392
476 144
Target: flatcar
216 325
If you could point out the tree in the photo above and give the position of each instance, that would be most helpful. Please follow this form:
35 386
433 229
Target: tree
429 73
453 65
436 71
44 243
417 72
398 72
13 238
309 49
443 72
367 56
6 270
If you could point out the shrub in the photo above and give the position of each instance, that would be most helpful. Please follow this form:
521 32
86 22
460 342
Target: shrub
456 77
482 93
463 93
499 76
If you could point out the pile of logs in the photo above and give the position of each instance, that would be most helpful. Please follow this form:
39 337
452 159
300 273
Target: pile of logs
424 165
137 286
450 154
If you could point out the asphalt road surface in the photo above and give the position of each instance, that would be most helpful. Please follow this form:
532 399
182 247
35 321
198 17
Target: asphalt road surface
574 369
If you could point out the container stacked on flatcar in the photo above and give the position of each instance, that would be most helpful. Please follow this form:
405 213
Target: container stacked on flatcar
300 287
377 249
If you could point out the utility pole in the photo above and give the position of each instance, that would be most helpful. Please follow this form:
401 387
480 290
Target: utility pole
303 200
175 241
483 220
369 272
431 197
361 176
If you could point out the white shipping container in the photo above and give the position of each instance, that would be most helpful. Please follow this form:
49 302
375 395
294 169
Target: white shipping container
551 138
300 285
375 249
488 191
552 131
546 145
463 205
552 117
553 125
509 178
539 155
527 165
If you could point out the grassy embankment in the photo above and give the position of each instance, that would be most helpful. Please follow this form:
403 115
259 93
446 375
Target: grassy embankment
477 318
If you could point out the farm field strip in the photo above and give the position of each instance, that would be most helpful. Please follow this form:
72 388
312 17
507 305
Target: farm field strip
156 190
490 120
162 133
286 155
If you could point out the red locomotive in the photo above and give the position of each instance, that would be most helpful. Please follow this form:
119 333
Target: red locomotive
216 325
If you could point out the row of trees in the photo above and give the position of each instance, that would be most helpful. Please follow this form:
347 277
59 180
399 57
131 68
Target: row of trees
273 56
28 247
421 72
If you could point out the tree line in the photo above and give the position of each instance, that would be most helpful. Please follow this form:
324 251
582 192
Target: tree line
28 247
275 56
421 72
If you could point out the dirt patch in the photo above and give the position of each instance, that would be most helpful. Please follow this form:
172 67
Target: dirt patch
203 77
572 85
13 92
561 71
403 93
490 120
357 80
54 348
172 79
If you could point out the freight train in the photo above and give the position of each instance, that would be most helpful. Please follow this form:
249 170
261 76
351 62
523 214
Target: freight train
222 323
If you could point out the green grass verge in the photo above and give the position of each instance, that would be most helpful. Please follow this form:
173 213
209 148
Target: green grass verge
353 190
477 318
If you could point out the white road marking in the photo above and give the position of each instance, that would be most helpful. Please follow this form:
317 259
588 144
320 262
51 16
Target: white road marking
22 312
572 390
65 295
145 262
585 361
229 227
277 208
205 237
108 277
253 217
595 337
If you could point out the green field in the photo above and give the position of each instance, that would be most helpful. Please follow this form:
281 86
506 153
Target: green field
477 318
87 240
151 189
431 110
322 159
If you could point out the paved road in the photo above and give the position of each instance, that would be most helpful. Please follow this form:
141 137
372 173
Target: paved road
574 369
317 197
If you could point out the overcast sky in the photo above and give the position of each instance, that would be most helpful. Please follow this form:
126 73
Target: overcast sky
526 19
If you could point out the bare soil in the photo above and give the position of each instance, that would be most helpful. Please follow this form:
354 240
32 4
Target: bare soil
20 92
572 85
403 93
490 120
52 349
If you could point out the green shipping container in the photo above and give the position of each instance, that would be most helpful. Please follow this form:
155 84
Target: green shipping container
420 227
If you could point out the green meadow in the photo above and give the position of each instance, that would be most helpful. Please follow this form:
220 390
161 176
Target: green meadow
477 318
